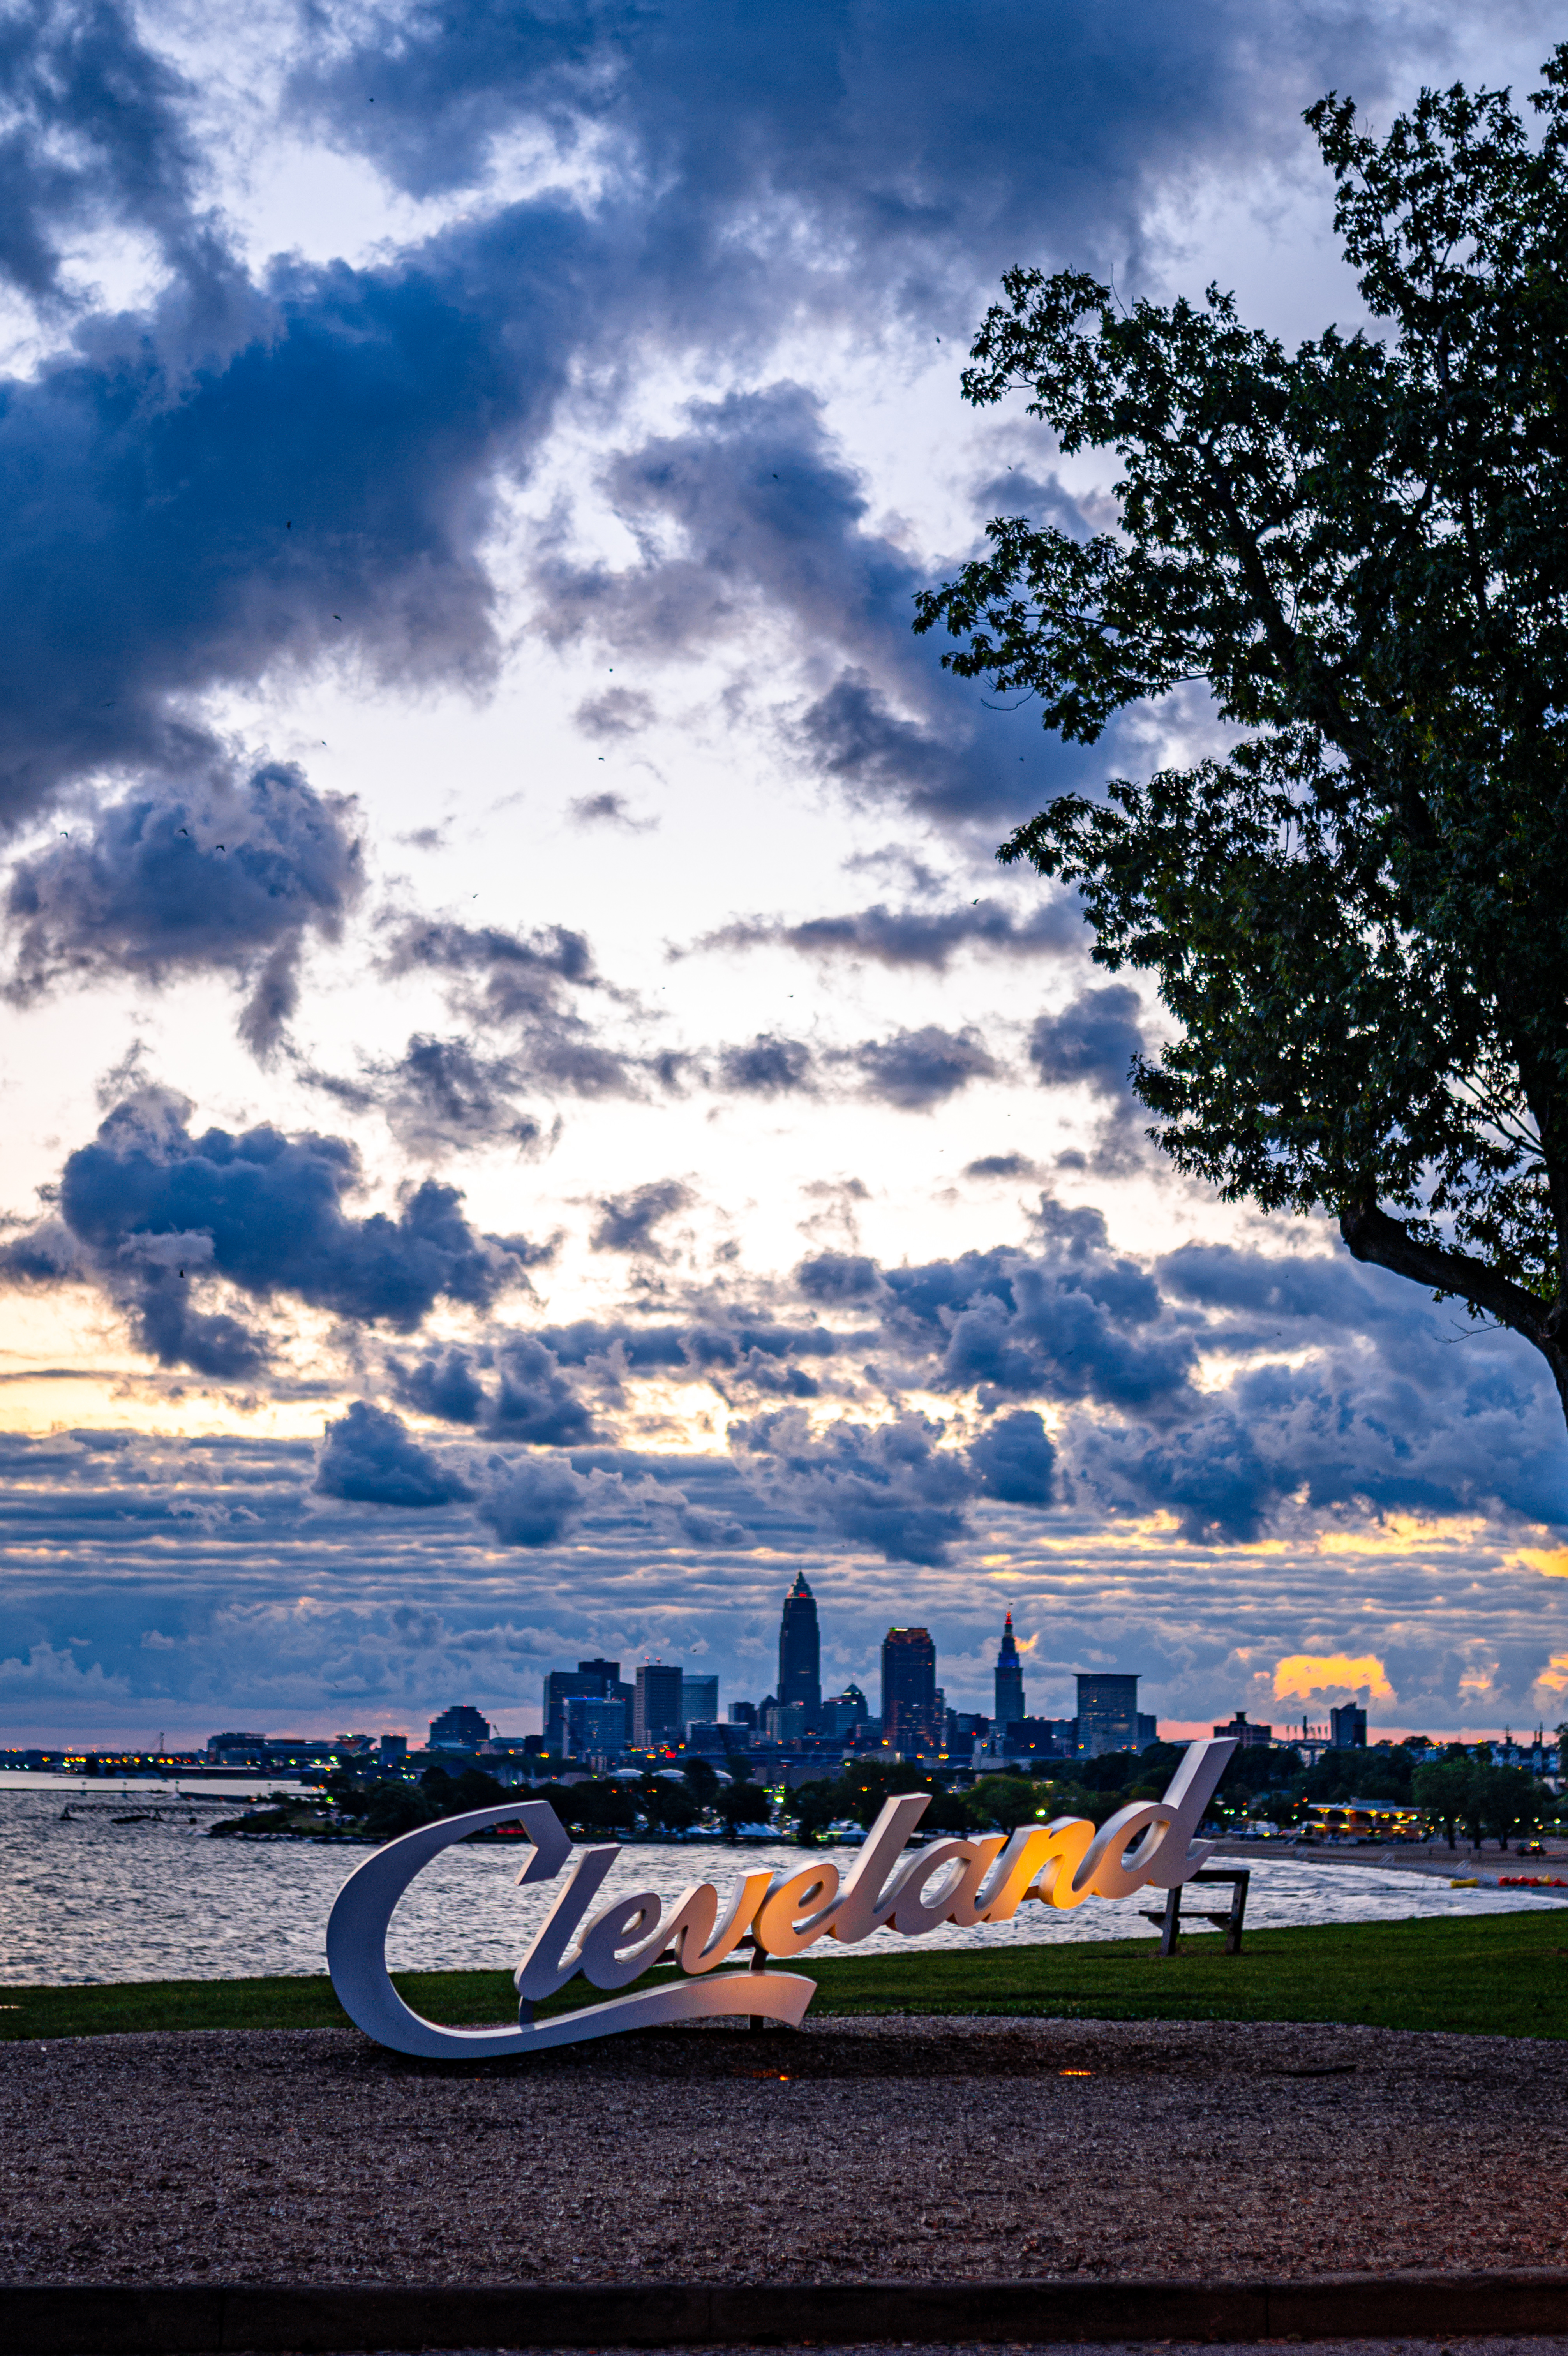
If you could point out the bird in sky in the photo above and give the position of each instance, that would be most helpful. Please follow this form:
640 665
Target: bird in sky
336 617
183 829
223 846
64 835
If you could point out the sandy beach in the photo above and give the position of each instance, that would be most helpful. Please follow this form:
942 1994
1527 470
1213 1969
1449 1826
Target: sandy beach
851 2149
1486 1864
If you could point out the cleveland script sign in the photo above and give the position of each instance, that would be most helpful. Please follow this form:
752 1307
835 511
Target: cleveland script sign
963 1881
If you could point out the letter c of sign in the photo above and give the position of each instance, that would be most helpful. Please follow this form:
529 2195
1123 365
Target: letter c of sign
356 1957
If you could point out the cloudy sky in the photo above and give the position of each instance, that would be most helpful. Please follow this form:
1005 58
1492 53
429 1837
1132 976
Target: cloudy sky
529 1112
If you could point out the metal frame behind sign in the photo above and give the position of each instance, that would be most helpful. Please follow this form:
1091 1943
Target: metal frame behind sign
775 1915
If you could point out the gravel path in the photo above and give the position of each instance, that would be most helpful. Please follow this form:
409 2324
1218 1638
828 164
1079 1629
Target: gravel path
854 2148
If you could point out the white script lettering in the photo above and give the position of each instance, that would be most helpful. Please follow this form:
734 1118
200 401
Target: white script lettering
965 1882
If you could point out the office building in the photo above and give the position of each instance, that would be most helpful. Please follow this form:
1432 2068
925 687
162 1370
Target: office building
1107 1715
910 1719
393 1749
712 1740
800 1652
841 1713
656 1705
699 1700
1350 1726
594 1725
1010 1704
785 1722
461 1728
1035 1737
1148 1729
1251 1735
600 1678
743 1713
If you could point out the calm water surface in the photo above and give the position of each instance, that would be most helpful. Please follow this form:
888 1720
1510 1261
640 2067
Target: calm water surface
84 1896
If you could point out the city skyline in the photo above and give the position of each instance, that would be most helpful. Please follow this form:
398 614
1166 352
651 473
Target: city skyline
595 1683
534 1119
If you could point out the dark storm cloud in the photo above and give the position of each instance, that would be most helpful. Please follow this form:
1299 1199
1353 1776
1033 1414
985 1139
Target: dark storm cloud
887 1486
1096 1039
925 148
627 1222
529 984
768 1066
771 521
1074 1319
1002 1165
248 474
93 138
917 1069
721 1345
511 1389
271 476
1271 1290
442 1096
533 1502
930 937
228 878
835 1277
149 1212
370 1458
1015 1460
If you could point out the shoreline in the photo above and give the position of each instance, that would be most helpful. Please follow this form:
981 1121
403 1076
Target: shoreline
1462 1865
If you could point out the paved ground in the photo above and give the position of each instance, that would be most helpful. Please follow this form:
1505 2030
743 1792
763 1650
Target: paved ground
882 2147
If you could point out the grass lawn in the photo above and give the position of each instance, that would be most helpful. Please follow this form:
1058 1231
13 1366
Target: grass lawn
1489 1975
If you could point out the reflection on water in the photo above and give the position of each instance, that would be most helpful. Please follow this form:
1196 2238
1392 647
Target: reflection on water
85 1898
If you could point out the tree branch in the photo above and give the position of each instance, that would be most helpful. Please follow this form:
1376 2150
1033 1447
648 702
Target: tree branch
1372 1235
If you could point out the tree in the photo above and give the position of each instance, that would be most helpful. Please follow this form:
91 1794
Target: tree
393 1808
1357 913
1005 1801
667 1803
1509 1801
1439 1789
742 1802
813 1807
702 1779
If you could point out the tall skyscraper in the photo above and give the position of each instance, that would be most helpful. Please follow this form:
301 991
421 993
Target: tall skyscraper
1009 1680
699 1700
1107 1715
595 1727
656 1713
910 1691
801 1651
1350 1726
599 1678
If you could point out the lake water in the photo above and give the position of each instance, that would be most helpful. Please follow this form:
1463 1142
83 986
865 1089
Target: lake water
84 1897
